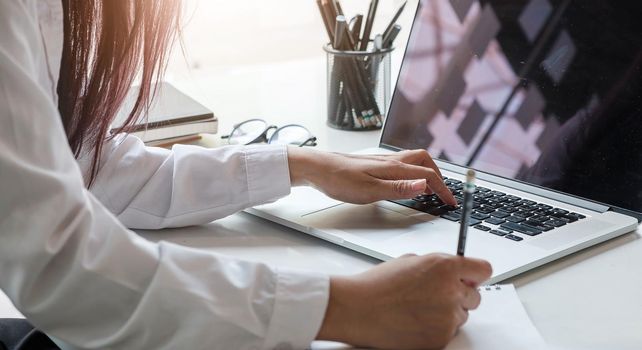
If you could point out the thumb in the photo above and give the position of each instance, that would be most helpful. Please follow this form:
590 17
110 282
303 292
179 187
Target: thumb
404 189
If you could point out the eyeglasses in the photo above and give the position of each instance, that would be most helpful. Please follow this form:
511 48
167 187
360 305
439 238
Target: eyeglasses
257 130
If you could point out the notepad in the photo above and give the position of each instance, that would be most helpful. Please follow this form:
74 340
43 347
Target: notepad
500 322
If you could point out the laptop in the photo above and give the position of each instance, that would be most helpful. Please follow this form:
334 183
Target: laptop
542 98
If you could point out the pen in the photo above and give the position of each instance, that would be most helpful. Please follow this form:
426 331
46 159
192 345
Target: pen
469 190
394 20
326 23
330 15
390 37
339 29
337 7
356 28
372 11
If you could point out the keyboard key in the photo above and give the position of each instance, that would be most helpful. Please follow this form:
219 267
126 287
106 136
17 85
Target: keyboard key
576 215
555 223
522 214
500 214
423 207
498 233
495 204
528 208
539 218
485 209
535 230
436 211
473 222
569 217
514 219
452 217
495 221
479 216
537 225
480 200
531 231
500 199
486 195
514 238
483 228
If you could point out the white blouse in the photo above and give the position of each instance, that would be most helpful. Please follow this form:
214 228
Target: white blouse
69 263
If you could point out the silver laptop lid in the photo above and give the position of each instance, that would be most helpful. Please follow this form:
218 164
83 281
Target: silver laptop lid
545 92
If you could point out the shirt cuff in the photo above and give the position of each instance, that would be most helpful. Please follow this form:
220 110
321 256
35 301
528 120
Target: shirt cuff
268 173
299 309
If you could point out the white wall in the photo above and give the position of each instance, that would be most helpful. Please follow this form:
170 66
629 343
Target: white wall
219 33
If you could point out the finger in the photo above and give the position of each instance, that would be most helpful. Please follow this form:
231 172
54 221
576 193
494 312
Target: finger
434 183
471 298
421 157
474 271
399 189
427 161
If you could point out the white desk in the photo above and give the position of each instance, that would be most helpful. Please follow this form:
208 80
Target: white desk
590 300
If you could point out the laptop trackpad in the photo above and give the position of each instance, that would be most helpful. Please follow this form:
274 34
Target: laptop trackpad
366 221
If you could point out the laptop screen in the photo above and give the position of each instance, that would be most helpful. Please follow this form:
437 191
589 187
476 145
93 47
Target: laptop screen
542 91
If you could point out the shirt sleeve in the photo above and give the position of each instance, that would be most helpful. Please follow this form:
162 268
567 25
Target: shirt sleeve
79 275
152 188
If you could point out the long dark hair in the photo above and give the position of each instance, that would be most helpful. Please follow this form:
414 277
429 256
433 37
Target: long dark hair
107 44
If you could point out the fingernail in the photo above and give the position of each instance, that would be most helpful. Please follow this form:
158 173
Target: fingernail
419 185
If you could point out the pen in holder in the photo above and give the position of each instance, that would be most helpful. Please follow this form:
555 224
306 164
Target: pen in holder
358 87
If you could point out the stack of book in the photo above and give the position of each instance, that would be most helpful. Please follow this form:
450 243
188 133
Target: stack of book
172 118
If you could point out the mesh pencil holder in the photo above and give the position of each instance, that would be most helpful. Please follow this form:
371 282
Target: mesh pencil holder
358 88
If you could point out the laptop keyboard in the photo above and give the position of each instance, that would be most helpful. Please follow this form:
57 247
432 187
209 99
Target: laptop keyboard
496 212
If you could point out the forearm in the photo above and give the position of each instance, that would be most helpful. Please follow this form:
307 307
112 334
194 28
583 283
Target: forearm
151 188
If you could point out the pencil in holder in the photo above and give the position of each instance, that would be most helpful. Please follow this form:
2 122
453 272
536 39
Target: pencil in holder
358 88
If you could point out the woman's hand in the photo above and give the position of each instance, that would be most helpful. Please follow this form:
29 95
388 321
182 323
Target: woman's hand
414 302
366 179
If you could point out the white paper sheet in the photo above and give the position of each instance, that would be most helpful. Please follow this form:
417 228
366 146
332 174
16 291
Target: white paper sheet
500 322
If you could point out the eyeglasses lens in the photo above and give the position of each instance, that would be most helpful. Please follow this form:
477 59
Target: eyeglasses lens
247 132
291 135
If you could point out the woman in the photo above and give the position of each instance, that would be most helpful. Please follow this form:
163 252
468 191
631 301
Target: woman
71 266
